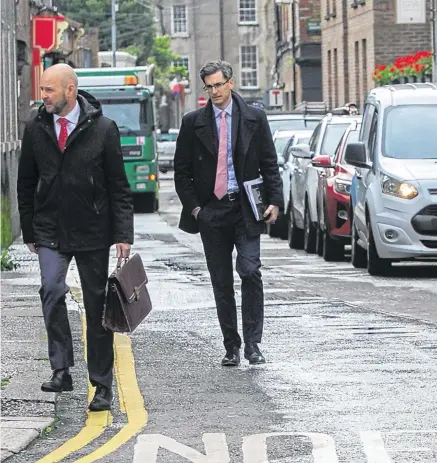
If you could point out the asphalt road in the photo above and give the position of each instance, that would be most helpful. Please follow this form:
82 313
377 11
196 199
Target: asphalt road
350 374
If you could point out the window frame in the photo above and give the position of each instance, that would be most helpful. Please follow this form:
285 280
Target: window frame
241 11
249 87
173 31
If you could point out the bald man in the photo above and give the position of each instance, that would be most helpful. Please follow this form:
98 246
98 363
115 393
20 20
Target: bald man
74 201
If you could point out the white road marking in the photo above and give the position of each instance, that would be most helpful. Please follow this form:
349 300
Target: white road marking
255 447
148 445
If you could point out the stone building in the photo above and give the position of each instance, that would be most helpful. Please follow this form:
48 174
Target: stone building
238 31
357 35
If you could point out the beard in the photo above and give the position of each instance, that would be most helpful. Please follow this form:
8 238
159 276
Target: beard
58 107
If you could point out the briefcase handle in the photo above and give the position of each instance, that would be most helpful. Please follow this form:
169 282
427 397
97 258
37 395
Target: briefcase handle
121 261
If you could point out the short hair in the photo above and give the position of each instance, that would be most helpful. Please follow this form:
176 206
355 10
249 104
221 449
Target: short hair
211 67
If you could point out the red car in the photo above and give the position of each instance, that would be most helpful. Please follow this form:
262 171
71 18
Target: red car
333 198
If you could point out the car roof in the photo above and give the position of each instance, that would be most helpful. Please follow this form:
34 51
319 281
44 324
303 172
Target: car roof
284 133
290 116
404 94
343 119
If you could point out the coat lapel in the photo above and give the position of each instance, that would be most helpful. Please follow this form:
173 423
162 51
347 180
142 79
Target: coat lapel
204 129
247 124
235 124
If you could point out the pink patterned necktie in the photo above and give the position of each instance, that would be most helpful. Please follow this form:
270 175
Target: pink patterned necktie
221 178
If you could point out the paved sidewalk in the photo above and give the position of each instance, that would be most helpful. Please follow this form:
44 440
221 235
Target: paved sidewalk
26 411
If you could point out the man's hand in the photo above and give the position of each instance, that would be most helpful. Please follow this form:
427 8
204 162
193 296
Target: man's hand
32 247
272 214
123 250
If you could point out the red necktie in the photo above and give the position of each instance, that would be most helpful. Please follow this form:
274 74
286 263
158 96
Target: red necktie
63 134
221 178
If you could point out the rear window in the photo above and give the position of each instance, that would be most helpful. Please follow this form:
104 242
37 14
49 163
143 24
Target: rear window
292 124
280 144
352 137
332 137
167 136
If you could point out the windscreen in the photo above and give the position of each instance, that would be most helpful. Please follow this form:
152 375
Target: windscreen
280 144
410 132
128 115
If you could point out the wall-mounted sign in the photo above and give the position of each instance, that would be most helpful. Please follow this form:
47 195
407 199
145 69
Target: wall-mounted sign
410 11
314 27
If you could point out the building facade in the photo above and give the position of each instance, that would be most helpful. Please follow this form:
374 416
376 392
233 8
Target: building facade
238 31
298 69
357 35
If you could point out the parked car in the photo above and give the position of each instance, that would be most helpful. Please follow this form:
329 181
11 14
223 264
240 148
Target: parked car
333 198
395 214
283 142
166 143
292 121
302 220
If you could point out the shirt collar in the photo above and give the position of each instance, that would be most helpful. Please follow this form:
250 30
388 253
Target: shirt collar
228 109
72 116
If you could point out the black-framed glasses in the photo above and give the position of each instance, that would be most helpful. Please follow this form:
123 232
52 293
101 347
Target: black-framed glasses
210 88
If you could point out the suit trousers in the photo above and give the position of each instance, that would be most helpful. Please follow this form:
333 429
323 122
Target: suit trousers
222 228
93 272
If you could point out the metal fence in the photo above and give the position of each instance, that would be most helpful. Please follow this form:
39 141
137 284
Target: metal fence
9 142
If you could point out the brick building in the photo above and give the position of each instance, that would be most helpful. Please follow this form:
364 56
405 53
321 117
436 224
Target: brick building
358 34
298 51
238 31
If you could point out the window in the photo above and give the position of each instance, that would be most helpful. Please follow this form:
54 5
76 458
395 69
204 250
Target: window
249 66
183 61
332 137
179 23
247 11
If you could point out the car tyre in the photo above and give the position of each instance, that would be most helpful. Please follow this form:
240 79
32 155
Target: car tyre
376 266
295 235
333 250
319 237
358 254
310 233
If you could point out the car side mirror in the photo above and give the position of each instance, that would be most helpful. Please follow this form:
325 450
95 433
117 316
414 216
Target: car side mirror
301 150
356 155
322 161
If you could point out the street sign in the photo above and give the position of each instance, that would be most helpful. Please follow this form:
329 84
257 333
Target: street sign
276 98
201 101
411 12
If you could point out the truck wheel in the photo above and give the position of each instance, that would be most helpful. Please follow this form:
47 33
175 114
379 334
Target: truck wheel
146 203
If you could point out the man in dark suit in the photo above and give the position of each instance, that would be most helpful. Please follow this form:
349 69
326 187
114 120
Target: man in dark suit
220 147
74 201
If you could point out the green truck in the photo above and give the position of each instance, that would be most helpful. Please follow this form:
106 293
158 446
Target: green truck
127 97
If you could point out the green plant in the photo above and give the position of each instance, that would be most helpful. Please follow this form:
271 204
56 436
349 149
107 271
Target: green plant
6 262
5 231
5 381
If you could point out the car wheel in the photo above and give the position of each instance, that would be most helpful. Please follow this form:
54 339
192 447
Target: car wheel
375 264
310 233
295 235
358 255
333 250
319 237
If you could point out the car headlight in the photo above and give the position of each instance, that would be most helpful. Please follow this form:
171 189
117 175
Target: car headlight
143 169
393 187
342 186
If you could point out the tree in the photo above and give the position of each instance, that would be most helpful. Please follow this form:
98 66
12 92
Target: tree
164 60
134 20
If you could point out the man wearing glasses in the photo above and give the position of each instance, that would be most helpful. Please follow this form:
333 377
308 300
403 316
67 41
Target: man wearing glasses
219 147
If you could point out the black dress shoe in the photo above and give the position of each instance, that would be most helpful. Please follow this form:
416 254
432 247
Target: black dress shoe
102 399
232 358
60 381
253 354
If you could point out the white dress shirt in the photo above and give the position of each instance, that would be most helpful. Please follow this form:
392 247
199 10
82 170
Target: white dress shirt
72 118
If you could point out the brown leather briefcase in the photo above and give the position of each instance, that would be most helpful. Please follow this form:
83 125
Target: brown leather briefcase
127 299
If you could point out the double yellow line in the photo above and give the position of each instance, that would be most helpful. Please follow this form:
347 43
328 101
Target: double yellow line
131 403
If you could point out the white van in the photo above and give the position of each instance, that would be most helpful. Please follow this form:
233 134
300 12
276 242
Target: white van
395 211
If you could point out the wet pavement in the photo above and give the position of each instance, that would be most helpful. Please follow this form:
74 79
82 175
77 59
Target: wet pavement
350 374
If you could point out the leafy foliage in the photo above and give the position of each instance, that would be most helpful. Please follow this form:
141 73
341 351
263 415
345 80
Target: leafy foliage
6 262
134 20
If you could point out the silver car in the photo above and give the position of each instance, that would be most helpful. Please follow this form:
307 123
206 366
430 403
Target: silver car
395 213
166 143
